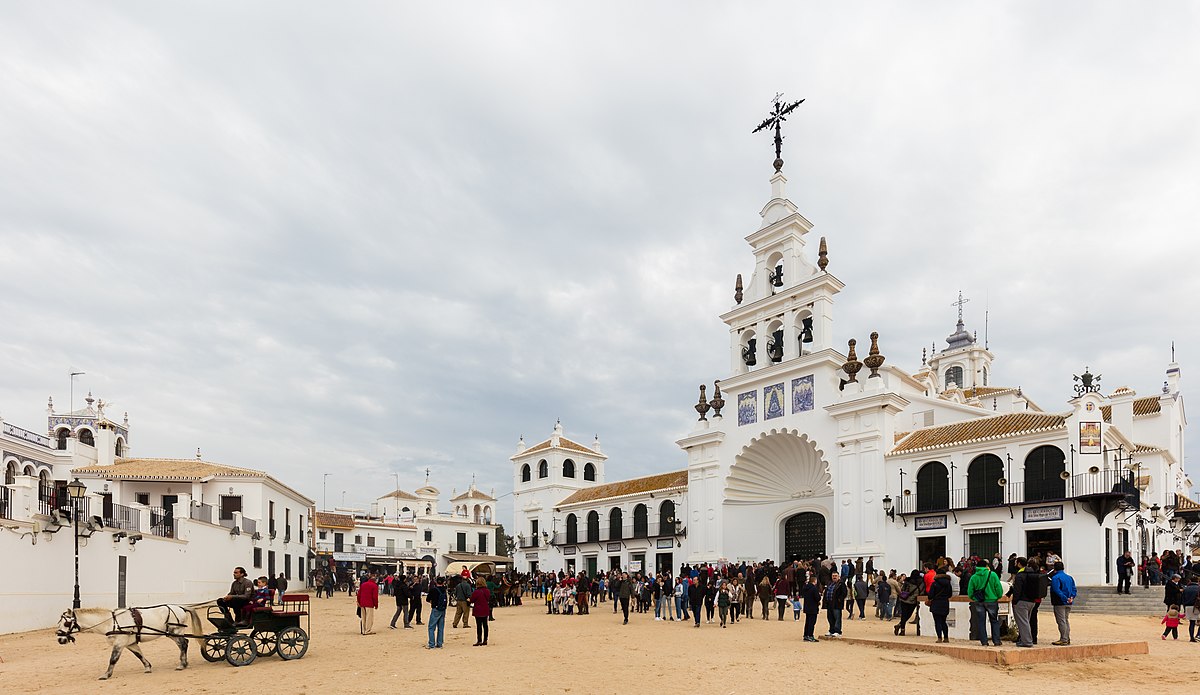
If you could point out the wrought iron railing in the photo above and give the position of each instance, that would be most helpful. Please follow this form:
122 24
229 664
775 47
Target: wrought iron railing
162 523
604 534
48 498
1105 482
6 510
124 518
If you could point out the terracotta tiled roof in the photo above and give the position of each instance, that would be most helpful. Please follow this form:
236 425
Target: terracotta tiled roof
1185 504
1141 406
1122 391
1146 448
977 430
168 469
650 483
563 443
400 494
473 493
899 435
331 520
981 391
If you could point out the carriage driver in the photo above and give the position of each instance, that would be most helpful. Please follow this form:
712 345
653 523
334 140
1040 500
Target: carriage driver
241 591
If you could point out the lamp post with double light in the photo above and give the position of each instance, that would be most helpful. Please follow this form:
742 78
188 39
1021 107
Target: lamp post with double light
76 490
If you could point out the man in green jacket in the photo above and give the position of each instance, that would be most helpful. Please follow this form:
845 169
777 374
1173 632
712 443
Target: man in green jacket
985 591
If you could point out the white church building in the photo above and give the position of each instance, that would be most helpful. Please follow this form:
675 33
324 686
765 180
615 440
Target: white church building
825 452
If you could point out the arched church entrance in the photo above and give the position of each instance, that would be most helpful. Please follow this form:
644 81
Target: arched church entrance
803 536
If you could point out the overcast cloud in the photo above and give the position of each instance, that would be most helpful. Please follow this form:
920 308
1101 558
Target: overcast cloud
372 238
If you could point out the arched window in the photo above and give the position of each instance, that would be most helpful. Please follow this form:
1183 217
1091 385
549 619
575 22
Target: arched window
954 377
666 518
61 435
804 330
487 515
614 524
983 487
1044 467
406 510
10 473
985 376
933 487
478 516
589 472
29 470
428 509
568 468
593 527
119 448
640 522
526 474
543 469
85 436
572 529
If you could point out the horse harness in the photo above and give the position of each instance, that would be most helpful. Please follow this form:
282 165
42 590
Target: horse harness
136 630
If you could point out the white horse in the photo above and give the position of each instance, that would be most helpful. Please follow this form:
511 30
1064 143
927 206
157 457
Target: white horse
127 628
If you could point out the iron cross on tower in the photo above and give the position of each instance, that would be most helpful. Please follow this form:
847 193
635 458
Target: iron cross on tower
960 304
779 113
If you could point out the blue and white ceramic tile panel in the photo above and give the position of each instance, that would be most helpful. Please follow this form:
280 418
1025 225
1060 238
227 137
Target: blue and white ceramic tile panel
802 394
747 408
774 402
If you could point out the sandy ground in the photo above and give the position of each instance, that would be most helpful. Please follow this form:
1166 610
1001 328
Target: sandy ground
531 652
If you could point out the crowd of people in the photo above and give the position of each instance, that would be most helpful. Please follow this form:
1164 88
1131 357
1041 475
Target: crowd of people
726 594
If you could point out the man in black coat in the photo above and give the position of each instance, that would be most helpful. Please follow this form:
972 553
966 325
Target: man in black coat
811 593
401 589
420 587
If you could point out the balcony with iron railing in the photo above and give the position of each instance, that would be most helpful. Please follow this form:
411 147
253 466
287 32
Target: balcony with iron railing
6 510
25 435
626 532
122 517
1118 485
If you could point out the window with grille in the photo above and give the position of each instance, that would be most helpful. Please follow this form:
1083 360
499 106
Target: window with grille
982 542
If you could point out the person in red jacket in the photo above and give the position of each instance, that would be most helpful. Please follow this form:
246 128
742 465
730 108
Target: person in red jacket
481 600
368 601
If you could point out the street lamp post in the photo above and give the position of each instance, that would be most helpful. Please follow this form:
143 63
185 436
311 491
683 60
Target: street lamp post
77 490
1154 529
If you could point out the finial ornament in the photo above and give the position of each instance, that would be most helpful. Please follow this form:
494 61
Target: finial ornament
924 354
823 256
874 360
717 402
702 406
1086 382
960 304
852 366
737 289
197 452
779 114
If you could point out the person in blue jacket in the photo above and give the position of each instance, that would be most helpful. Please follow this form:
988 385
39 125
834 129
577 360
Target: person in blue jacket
1062 596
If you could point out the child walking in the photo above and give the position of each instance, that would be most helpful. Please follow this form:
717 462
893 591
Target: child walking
796 607
1171 620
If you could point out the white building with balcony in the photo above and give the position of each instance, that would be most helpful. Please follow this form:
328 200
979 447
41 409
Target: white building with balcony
151 530
819 452
407 532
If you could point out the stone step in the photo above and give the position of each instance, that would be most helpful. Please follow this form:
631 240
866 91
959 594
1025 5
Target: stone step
1106 600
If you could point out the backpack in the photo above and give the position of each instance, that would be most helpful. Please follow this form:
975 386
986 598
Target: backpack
980 595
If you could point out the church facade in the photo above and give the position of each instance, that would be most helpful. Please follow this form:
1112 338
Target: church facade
806 450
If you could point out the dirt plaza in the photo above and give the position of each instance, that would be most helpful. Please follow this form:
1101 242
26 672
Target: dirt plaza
531 652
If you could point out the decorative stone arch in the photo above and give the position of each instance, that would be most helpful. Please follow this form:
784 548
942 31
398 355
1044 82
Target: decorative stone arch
526 473
86 436
778 466
12 468
487 514
477 513
61 435
775 264
568 468
29 470
589 471
775 346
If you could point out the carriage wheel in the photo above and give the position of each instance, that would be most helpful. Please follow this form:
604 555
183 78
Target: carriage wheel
240 651
264 642
213 648
292 643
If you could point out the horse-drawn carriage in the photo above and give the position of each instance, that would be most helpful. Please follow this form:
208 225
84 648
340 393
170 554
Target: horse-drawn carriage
270 630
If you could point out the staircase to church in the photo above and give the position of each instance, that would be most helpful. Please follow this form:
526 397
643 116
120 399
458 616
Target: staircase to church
1105 599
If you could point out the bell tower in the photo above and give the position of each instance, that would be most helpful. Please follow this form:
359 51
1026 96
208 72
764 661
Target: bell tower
964 363
786 309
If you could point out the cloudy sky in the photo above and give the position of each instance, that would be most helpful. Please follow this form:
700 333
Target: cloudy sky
378 237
